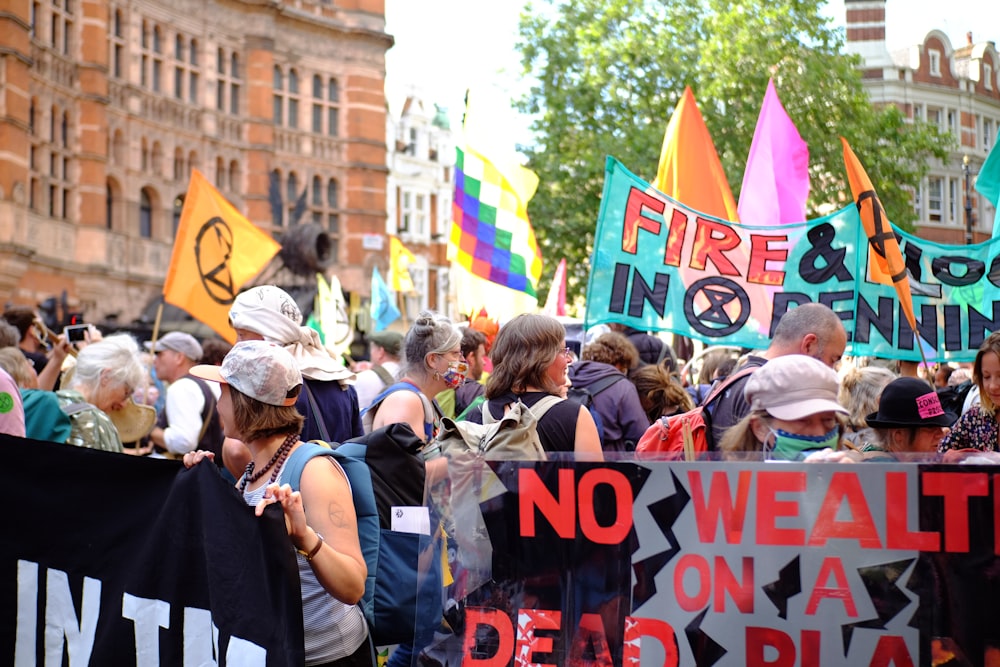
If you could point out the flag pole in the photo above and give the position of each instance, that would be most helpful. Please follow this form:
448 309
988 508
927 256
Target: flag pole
156 325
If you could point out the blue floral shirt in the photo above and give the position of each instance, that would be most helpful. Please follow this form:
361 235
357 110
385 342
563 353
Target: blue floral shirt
976 429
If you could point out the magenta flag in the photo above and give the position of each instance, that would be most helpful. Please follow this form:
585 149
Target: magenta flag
776 180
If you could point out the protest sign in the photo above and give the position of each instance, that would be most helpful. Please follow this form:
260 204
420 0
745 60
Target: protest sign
109 559
658 265
731 564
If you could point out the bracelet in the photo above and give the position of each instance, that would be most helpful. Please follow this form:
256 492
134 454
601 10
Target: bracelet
309 555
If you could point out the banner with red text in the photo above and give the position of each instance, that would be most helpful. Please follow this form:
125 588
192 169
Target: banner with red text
659 265
725 564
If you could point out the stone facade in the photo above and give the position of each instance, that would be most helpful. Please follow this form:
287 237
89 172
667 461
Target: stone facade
956 88
107 105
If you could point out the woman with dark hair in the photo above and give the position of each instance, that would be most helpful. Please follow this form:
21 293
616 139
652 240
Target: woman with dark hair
260 385
530 362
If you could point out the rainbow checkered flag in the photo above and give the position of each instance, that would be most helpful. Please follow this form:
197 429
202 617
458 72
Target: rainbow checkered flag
491 235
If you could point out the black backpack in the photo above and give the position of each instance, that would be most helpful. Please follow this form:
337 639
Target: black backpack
953 398
585 397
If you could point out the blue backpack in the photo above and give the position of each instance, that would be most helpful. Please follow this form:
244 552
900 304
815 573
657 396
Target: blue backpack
400 603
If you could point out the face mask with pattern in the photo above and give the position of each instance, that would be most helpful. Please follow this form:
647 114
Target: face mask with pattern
455 374
793 447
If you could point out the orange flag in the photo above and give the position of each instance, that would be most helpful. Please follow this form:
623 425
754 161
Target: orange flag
885 261
689 169
216 252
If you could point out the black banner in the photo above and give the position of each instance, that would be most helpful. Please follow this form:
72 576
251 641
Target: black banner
107 559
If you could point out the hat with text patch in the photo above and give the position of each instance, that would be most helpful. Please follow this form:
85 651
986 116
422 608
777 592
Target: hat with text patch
263 371
909 401
793 386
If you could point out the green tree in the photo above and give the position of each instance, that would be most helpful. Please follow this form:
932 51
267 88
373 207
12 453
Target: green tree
608 73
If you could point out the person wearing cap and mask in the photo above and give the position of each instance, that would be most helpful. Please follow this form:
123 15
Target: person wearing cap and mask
189 420
260 383
383 350
793 411
328 401
909 419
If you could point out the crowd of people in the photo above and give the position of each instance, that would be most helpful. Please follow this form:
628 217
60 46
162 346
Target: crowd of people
248 406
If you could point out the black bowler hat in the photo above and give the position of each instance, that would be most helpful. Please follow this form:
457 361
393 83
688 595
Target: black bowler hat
909 402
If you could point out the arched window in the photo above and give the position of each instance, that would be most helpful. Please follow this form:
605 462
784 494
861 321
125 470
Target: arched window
179 164
274 199
220 173
234 176
64 129
111 194
178 209
292 191
317 191
157 159
293 99
331 193
145 214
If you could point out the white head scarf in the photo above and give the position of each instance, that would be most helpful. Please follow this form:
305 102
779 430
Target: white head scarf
271 312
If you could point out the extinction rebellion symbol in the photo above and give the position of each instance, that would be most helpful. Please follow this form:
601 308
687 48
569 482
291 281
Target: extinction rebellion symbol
213 249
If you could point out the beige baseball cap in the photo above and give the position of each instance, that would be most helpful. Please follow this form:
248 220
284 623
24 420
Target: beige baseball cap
793 386
263 371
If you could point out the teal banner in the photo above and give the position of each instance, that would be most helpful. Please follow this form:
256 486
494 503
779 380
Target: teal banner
661 266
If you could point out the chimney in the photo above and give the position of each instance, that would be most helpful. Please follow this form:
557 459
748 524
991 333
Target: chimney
968 37
865 21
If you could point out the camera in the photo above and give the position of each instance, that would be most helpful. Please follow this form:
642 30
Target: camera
76 333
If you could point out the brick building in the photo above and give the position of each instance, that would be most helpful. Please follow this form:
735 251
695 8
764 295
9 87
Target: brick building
955 87
107 105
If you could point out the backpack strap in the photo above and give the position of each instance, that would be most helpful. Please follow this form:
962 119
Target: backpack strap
725 384
383 374
605 382
538 410
75 408
473 406
297 460
430 414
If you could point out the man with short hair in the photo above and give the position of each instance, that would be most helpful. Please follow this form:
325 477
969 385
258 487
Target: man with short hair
812 329
474 352
384 348
189 420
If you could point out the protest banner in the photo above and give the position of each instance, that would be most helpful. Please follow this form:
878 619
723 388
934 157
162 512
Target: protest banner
658 265
110 559
727 564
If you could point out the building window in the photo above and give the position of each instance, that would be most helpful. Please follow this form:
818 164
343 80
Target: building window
952 122
117 47
935 187
987 134
109 207
988 76
934 56
934 116
145 214
293 99
227 87
279 96
325 106
62 27
56 147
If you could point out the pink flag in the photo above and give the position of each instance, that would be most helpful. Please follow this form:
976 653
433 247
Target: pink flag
776 180
555 304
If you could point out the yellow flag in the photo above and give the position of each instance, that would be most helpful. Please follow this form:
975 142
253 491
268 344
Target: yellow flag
400 259
885 261
689 169
216 252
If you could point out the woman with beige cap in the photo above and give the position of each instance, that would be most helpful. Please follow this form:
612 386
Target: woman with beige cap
794 413
260 383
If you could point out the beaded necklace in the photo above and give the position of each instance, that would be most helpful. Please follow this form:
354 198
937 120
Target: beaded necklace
249 477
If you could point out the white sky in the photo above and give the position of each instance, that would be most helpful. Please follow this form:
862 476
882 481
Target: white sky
445 46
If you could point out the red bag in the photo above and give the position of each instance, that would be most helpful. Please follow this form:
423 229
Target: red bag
684 436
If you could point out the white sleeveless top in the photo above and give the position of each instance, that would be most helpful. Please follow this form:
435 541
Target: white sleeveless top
333 629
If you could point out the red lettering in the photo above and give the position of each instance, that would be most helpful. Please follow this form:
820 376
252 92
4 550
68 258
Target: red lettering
529 621
725 582
842 591
711 241
770 509
720 505
675 238
617 531
498 620
760 254
590 634
759 639
861 527
897 518
697 564
561 513
891 650
663 632
810 641
956 488
635 218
